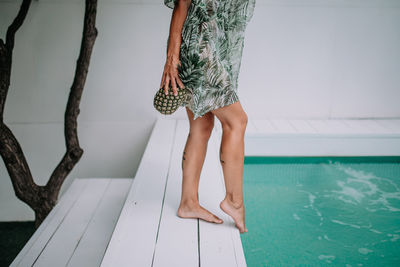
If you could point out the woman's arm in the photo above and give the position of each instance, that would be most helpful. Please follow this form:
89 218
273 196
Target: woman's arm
170 73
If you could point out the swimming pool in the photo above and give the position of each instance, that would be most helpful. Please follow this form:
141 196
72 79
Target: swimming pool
322 211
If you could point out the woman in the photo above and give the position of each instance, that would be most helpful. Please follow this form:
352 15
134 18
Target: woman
205 46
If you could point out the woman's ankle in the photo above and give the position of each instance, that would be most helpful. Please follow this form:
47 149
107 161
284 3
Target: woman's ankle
235 201
189 202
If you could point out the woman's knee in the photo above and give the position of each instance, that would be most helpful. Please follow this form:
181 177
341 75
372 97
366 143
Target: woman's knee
203 129
237 123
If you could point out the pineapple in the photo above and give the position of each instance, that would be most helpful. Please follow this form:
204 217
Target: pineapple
190 73
168 104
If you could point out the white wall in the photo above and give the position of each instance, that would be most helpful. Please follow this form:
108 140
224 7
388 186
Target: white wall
302 59
322 59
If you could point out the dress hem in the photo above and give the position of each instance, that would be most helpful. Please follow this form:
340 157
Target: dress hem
199 115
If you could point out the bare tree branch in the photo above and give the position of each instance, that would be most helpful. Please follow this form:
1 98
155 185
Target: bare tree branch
10 149
74 152
43 198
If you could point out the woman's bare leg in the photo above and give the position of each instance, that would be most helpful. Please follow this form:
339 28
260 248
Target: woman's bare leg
192 162
234 121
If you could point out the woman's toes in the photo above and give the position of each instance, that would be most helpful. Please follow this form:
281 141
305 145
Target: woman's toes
198 212
217 220
241 228
208 216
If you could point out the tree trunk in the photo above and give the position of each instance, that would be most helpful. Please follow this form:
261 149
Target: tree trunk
43 198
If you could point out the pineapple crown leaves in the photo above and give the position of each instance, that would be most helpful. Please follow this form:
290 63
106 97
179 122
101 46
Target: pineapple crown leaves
201 12
191 70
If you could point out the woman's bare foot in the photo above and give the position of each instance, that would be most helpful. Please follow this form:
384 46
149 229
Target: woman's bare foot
236 211
194 210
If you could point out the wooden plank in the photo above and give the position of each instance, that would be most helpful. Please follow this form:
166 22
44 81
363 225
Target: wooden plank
302 127
216 246
361 127
380 128
134 238
394 125
264 127
250 128
349 127
310 124
62 244
319 126
283 126
336 127
177 242
354 128
364 127
32 249
335 137
322 146
92 246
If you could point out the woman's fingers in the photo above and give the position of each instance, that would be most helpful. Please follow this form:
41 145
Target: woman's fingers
173 85
170 79
180 83
166 84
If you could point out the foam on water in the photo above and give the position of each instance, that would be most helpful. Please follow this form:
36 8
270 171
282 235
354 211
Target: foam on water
364 251
348 224
326 258
360 183
296 217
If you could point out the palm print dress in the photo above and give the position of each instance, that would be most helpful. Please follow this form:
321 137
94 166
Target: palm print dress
211 51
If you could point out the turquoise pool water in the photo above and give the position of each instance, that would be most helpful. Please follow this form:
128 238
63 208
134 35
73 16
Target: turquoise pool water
322 211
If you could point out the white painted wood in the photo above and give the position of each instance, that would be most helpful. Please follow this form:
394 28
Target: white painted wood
264 126
355 128
335 127
319 126
250 128
62 244
316 137
302 126
310 124
134 238
177 242
380 128
342 127
393 125
321 146
39 239
93 243
283 126
370 126
216 246
294 137
78 229
363 127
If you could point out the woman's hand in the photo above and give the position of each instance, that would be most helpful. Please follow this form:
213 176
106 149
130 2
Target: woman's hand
170 75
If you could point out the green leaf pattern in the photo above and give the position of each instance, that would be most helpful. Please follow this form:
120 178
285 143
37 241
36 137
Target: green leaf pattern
211 51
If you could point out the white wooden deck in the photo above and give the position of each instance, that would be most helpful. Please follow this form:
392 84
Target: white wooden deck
333 137
117 222
78 229
149 233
